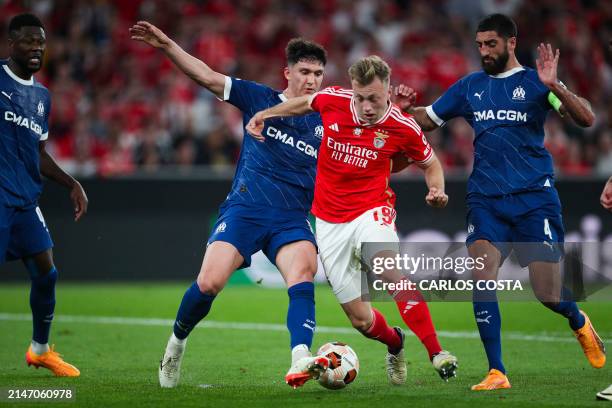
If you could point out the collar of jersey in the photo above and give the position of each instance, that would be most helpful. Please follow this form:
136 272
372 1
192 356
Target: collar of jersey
282 97
508 73
16 78
360 122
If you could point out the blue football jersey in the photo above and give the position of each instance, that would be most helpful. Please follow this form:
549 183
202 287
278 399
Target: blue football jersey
507 112
279 173
24 109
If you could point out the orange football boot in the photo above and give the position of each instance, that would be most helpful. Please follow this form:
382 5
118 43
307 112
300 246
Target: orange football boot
305 369
52 360
591 343
495 380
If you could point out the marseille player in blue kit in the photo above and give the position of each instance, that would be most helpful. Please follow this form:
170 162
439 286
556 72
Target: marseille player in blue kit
25 106
512 202
267 206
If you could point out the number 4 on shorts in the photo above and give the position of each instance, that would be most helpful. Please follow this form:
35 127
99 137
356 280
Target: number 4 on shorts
547 231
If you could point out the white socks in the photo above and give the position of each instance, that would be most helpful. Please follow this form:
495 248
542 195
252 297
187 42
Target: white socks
176 342
39 349
299 351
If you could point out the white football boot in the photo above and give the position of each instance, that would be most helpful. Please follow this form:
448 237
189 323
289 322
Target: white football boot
170 364
396 363
306 368
445 364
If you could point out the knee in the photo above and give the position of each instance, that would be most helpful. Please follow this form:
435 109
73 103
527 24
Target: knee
39 268
488 259
302 273
209 286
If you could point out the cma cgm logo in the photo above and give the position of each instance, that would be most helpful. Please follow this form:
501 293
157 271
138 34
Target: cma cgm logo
22 121
288 140
500 115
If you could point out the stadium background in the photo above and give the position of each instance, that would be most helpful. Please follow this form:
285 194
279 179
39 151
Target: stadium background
156 152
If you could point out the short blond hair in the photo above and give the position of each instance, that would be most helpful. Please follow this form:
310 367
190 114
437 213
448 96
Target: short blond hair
367 68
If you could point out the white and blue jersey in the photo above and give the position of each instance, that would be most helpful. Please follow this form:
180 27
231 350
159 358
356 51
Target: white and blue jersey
511 196
24 118
24 106
273 187
279 173
507 112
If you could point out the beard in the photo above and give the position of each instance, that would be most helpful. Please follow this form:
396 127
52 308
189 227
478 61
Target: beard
494 66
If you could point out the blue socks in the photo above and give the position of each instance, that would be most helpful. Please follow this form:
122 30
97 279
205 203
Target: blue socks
194 307
567 308
301 314
488 320
42 303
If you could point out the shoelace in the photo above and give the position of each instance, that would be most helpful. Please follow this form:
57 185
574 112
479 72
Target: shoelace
394 361
172 364
63 366
52 352
590 346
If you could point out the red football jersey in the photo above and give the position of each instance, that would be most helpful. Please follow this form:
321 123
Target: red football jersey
354 162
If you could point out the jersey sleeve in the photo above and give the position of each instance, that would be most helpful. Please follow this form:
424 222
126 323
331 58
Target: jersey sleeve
325 97
416 147
451 104
45 123
245 95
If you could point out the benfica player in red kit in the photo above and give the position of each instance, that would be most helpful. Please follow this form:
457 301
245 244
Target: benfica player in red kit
353 202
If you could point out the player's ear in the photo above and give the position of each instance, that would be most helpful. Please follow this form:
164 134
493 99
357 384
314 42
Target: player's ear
287 73
11 41
511 43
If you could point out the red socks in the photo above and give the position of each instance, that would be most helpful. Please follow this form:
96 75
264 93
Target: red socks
415 314
381 331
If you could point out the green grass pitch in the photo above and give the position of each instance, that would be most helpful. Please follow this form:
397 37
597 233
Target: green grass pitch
244 365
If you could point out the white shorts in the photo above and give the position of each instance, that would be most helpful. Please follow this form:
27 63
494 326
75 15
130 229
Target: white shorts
340 249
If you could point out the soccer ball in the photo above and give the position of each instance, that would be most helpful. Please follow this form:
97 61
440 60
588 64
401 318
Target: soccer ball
343 365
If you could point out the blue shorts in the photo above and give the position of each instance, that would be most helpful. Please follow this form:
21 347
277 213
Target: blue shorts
22 233
251 229
528 222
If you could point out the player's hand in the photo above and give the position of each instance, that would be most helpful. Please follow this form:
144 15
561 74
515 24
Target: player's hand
436 198
148 33
255 127
606 196
79 199
404 97
546 64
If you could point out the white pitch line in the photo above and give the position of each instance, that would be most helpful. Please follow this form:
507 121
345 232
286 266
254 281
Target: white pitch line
212 324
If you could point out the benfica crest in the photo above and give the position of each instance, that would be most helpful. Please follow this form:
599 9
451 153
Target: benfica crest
380 139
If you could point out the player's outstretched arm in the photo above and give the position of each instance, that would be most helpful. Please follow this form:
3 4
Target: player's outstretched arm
50 169
405 98
578 108
606 195
434 177
190 65
293 107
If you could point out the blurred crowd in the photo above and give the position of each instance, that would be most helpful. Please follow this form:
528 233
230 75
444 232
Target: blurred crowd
120 107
